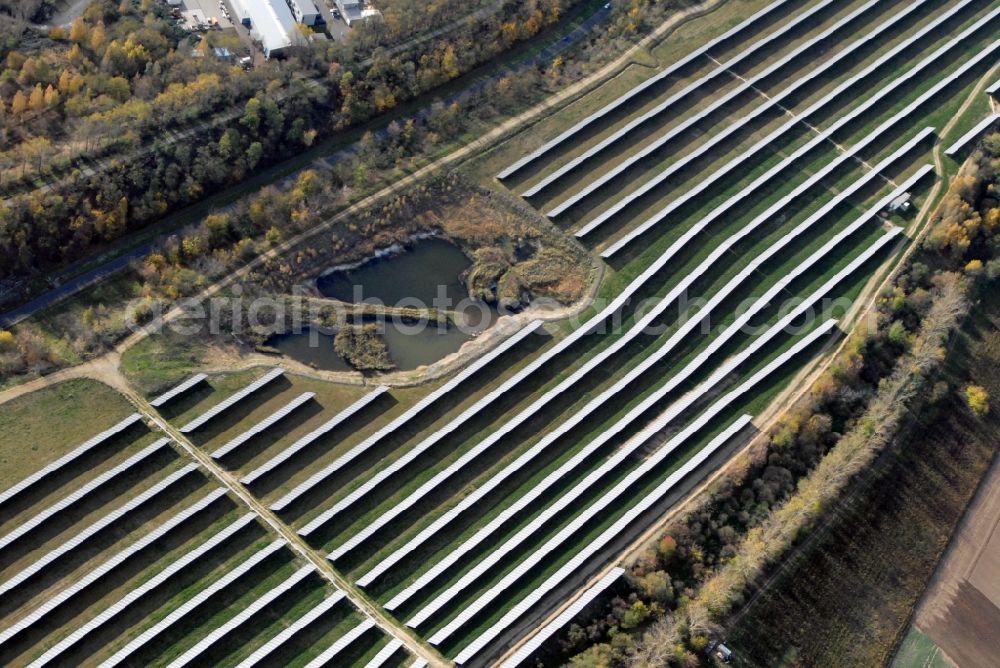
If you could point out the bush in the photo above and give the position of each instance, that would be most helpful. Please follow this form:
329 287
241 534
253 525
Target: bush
363 348
978 399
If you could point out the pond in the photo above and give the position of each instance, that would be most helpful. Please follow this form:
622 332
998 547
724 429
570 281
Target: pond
312 347
425 269
410 345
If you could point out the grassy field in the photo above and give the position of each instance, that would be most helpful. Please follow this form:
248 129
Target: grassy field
867 567
40 427
159 362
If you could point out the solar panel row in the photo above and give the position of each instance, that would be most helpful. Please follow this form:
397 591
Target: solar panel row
121 606
157 491
195 602
310 438
258 606
265 424
177 390
870 102
341 644
231 400
83 492
619 102
75 454
724 68
578 416
585 558
565 617
396 424
299 625
95 574
772 102
979 129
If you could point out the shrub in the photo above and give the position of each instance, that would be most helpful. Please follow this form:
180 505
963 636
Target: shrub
978 399
363 348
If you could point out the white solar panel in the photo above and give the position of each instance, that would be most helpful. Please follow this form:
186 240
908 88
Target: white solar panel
723 68
242 617
622 100
83 492
92 576
580 562
869 102
385 654
566 425
107 521
973 134
76 453
341 644
625 453
177 390
300 624
193 604
264 424
564 618
600 506
311 437
415 410
122 605
750 84
231 400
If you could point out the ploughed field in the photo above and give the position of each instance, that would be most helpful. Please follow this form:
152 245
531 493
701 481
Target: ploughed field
741 198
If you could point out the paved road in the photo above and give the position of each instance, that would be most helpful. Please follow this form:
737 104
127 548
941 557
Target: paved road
73 286
85 280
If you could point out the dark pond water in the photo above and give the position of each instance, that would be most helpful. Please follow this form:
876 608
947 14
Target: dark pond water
427 267
310 347
426 270
410 344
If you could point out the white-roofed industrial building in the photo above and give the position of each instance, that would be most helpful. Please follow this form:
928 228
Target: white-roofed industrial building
271 23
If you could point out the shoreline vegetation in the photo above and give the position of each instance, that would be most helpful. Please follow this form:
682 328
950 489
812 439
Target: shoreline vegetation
685 589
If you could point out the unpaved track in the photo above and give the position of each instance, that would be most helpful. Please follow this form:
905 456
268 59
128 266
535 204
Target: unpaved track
295 541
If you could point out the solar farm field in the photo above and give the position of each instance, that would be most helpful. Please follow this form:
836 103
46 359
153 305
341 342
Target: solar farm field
124 551
747 198
735 197
737 192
